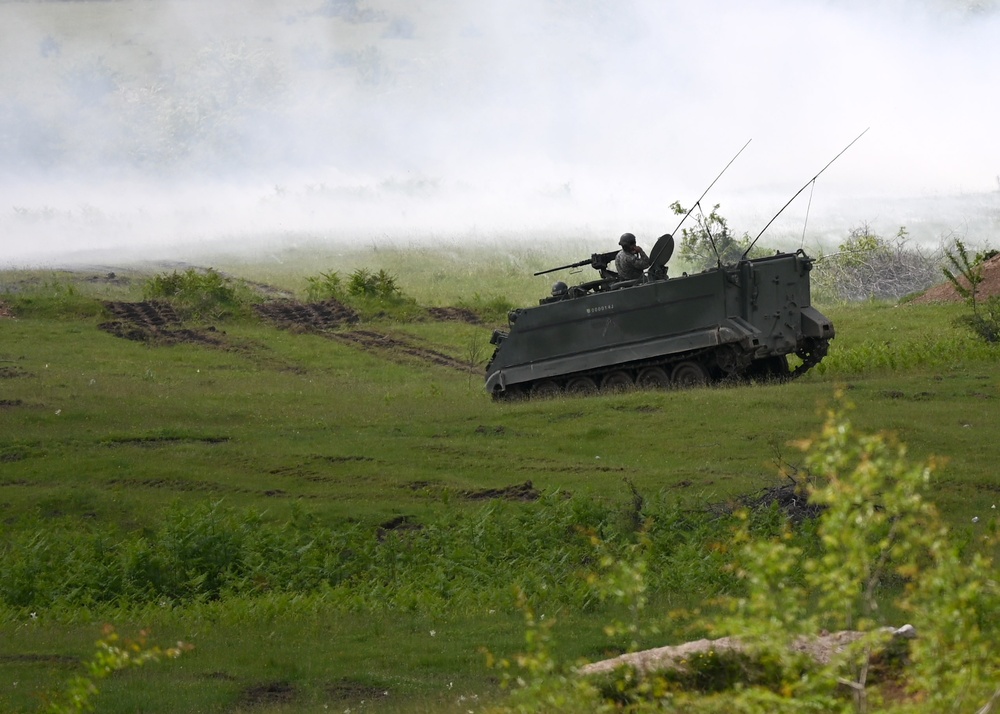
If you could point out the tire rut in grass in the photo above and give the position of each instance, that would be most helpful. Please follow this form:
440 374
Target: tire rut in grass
524 492
328 316
156 323
400 347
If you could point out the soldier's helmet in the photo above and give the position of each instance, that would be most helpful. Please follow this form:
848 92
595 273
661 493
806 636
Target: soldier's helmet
559 288
627 240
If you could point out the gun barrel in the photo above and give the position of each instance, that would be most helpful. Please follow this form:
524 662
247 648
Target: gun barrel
564 267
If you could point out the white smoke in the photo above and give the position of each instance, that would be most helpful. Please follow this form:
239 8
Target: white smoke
155 127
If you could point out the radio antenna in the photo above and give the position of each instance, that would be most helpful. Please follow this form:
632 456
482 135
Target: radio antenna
654 255
813 179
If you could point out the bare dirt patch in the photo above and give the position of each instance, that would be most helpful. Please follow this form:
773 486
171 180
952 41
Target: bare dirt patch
524 492
346 690
149 313
454 314
156 322
306 317
267 694
945 292
59 659
399 524
790 498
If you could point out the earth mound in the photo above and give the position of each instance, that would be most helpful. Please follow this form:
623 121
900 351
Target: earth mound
945 292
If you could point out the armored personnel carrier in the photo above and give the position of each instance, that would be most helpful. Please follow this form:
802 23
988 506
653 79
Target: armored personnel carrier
730 322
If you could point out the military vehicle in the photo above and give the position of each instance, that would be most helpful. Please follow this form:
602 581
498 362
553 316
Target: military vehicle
727 323
732 322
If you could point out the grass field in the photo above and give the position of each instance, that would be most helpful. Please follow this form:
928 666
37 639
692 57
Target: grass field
338 528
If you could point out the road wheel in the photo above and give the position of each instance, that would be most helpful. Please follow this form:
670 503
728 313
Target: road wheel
618 381
545 388
689 374
582 386
653 378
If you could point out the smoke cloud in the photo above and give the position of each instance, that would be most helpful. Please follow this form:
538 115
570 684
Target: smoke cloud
149 129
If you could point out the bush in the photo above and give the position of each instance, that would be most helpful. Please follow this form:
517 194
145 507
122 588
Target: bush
380 285
867 266
712 242
325 286
881 545
206 295
985 317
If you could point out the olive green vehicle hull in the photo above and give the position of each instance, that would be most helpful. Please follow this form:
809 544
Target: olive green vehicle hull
731 322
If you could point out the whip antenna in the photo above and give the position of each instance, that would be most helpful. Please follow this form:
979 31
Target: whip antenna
659 248
705 192
800 191
806 221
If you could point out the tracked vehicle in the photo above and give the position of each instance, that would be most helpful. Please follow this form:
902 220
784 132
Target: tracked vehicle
731 322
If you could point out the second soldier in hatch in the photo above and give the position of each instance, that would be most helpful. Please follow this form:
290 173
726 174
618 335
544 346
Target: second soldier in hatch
631 259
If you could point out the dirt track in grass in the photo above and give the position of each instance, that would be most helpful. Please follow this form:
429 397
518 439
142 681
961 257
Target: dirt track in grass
155 322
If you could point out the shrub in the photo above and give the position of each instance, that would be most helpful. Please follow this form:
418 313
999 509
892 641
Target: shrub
867 266
985 317
112 655
380 285
202 295
712 242
880 544
325 286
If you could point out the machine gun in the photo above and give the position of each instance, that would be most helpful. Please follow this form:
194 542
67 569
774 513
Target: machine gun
598 261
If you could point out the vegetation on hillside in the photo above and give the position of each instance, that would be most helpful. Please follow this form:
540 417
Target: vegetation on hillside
867 266
878 546
220 492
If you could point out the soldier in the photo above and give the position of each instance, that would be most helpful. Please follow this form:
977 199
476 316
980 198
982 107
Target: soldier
631 260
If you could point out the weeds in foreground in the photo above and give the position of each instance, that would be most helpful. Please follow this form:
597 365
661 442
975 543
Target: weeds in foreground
458 561
112 655
881 544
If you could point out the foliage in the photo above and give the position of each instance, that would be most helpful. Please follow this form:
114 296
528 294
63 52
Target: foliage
538 680
112 656
867 266
985 318
211 553
381 285
712 242
324 286
880 545
202 295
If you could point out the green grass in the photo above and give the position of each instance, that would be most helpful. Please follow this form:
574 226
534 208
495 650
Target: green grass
100 435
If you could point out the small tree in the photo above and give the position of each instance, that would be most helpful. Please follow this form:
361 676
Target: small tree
711 242
985 317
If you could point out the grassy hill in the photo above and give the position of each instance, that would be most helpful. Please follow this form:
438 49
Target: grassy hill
337 517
